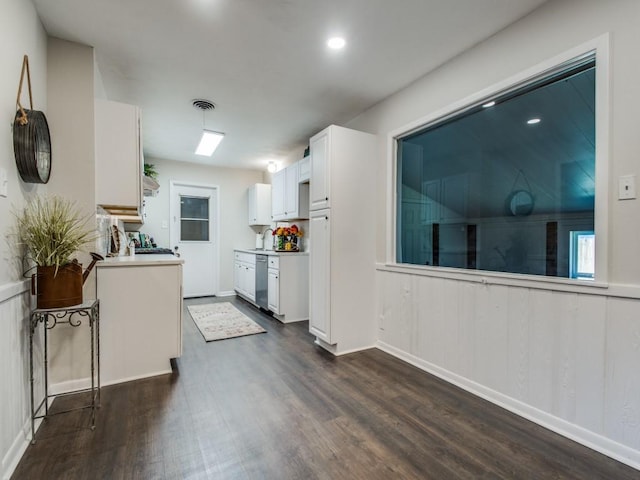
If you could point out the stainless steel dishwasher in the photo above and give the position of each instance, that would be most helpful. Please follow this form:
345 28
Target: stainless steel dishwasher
262 295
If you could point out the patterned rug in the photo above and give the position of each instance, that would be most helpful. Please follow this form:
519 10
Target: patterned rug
218 321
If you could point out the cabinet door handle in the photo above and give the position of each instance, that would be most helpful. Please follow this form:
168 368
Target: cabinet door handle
326 218
326 199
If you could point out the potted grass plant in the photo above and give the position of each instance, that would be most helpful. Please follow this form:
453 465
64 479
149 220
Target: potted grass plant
52 230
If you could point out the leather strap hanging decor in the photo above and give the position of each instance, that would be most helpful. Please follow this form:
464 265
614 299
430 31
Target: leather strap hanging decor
31 139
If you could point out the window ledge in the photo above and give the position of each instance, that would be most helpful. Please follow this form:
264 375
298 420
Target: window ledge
515 280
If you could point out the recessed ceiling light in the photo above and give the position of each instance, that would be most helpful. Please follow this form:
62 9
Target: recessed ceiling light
272 167
533 121
336 43
488 104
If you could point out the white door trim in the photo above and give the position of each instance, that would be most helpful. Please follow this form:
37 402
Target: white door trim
173 184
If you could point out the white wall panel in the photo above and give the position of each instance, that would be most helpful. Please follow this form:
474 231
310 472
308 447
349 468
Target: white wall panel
447 300
15 395
466 328
567 360
517 349
590 357
541 339
401 328
622 374
564 397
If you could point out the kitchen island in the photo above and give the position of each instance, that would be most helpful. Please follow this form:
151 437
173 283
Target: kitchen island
140 315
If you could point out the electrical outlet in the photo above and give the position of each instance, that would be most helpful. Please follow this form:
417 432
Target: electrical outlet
165 224
627 187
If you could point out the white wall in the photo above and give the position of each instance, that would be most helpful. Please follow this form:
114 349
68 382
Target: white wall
70 87
18 21
20 33
565 357
235 231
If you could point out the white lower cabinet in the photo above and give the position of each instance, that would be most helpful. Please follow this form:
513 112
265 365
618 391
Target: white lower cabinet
244 280
273 285
288 286
140 318
287 283
320 286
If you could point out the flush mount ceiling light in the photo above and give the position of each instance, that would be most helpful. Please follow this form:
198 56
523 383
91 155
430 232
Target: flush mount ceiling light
336 43
271 167
533 121
209 142
210 139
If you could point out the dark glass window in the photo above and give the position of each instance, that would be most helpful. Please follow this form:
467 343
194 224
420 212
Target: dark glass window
501 185
194 218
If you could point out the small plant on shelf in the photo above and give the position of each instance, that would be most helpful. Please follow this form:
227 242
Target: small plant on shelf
150 171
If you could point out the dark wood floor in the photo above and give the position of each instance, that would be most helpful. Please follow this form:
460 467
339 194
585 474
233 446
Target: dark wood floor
274 406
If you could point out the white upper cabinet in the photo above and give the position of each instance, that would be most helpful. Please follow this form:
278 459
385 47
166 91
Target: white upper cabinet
119 160
259 203
289 198
320 187
278 192
291 194
304 169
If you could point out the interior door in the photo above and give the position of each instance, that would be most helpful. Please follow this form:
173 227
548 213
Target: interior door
194 230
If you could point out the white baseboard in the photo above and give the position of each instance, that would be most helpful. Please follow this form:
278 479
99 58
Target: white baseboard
574 432
284 319
69 386
229 293
337 352
16 450
137 377
85 383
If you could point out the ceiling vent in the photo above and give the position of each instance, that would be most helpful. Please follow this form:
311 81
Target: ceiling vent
203 105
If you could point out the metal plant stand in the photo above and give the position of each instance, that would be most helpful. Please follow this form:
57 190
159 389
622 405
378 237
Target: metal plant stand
72 316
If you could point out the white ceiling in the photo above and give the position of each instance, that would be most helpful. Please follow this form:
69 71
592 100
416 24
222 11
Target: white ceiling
264 63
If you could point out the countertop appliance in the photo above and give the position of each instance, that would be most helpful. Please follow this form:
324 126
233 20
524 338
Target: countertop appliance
262 267
153 251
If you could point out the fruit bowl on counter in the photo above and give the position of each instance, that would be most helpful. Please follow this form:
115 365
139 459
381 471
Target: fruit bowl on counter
286 239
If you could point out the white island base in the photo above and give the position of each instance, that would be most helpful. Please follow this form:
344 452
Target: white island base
140 316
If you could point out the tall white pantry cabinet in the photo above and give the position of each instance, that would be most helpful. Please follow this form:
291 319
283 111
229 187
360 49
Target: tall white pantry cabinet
342 238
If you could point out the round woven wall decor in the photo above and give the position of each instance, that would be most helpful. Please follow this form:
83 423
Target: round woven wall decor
32 147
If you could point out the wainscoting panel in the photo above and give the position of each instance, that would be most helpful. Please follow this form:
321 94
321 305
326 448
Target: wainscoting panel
622 374
14 375
567 360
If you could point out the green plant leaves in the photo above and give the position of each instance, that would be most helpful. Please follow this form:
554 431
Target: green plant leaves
52 229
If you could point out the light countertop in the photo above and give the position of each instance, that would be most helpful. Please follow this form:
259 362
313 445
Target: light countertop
268 252
140 260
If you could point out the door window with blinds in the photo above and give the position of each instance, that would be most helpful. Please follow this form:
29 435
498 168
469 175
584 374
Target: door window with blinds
503 185
194 219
